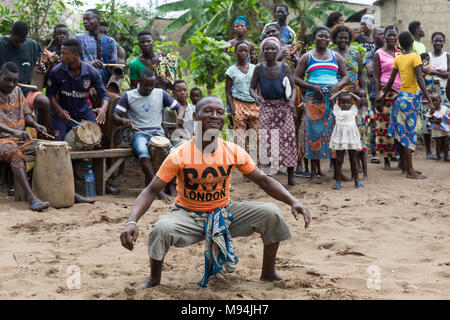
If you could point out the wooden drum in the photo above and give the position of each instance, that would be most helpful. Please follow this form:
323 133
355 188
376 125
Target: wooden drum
158 148
86 137
53 175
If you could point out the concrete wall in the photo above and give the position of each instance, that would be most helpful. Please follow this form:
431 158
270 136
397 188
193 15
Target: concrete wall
433 14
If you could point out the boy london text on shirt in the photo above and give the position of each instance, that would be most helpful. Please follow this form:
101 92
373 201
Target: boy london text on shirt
203 180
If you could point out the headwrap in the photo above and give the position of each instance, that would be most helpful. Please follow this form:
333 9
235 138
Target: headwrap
241 19
369 19
271 39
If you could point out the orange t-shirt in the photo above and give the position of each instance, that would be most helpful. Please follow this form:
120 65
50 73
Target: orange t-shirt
203 180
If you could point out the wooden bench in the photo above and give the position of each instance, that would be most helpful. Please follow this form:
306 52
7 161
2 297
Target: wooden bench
101 172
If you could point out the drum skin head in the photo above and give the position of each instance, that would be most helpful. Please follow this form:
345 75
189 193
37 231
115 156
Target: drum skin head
159 141
52 143
90 133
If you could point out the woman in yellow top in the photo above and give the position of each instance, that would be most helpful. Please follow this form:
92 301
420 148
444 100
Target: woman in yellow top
404 116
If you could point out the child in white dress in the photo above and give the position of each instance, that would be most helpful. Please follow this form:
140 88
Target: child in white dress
345 135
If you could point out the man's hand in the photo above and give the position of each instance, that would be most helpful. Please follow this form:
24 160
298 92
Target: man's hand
62 114
101 115
297 208
180 122
127 123
41 67
129 236
97 64
40 128
22 135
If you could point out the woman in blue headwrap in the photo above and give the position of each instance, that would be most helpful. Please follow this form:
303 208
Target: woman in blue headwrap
240 29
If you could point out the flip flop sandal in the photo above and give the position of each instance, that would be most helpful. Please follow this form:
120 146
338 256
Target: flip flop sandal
337 186
11 192
430 157
359 185
112 190
85 200
38 207
375 160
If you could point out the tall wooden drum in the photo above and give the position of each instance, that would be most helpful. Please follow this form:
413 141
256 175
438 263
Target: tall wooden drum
53 175
158 148
86 137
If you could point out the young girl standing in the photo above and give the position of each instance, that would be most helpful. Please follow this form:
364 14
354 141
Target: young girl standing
345 135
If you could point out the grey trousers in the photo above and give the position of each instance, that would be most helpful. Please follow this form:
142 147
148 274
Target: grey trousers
182 228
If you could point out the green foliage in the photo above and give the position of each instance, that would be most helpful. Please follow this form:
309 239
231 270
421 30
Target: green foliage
308 12
209 60
215 18
40 15
124 22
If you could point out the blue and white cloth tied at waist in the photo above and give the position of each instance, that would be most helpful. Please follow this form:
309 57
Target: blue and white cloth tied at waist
219 249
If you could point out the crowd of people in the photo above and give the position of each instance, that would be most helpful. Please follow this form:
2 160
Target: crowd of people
295 109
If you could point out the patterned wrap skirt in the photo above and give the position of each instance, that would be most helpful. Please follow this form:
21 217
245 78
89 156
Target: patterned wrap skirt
404 118
277 143
385 144
319 126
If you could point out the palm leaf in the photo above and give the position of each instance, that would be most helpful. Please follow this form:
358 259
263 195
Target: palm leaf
182 5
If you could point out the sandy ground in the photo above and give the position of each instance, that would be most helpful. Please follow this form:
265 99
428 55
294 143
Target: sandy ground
395 227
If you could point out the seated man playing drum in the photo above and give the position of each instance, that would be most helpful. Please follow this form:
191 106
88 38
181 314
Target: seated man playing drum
204 210
15 114
68 88
144 107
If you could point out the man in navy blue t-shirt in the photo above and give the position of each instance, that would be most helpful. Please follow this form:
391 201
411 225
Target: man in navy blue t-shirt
68 89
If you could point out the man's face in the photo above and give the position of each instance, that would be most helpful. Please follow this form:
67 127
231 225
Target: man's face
181 92
212 116
90 21
364 27
146 43
8 81
281 14
60 35
67 56
196 95
146 86
16 40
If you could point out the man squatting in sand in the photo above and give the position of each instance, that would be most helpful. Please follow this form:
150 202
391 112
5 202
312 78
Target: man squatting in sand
203 209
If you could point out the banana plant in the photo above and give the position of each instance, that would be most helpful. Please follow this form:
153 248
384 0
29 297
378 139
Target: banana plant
310 12
214 18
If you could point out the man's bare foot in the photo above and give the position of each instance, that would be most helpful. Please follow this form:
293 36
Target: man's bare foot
270 277
148 283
